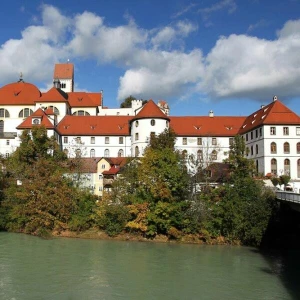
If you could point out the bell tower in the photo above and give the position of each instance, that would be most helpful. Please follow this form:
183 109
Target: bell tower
64 73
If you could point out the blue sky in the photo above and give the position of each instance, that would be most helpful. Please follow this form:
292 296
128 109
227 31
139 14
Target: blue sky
230 56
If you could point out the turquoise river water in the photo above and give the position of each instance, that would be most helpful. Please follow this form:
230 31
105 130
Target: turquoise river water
34 268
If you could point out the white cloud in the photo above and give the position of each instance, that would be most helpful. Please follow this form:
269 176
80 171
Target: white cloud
229 5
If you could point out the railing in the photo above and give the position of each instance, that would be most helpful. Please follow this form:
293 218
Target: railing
288 196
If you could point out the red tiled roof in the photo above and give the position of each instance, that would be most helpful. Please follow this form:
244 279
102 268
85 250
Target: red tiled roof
27 123
151 110
19 93
94 125
64 71
274 113
54 95
96 97
81 99
206 126
87 164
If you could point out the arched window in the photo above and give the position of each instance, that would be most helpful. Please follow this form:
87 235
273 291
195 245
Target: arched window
286 147
136 151
298 148
214 155
121 153
66 151
55 109
274 166
298 168
77 152
1 126
81 113
4 113
273 148
106 153
26 112
92 153
184 154
152 122
199 155
287 169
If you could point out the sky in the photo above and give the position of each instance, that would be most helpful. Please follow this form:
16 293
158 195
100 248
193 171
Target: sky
229 56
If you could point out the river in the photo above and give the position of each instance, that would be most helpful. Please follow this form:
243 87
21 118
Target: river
34 268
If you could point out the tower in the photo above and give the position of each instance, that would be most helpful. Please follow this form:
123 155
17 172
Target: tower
64 73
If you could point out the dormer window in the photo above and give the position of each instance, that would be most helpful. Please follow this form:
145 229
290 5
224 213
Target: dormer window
36 121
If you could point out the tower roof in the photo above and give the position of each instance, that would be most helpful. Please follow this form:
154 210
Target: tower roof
150 110
64 71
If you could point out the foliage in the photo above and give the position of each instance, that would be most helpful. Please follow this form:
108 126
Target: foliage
112 218
127 102
284 179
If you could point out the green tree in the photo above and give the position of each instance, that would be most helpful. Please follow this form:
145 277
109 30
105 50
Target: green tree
127 102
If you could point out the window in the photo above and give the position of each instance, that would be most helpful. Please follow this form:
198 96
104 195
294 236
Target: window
62 85
121 140
184 154
107 140
100 188
78 140
103 166
230 141
121 153
274 166
285 131
256 133
7 142
251 150
66 151
246 137
273 148
92 140
65 139
199 141
100 176
152 122
106 153
298 148
286 147
7 155
167 124
55 109
298 130
214 155
214 141
81 113
256 149
136 123
136 151
251 135
287 167
136 136
273 130
77 152
1 126
92 153
26 112
298 168
4 113
260 131
199 155
184 141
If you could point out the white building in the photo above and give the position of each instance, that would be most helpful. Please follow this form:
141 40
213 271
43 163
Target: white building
81 123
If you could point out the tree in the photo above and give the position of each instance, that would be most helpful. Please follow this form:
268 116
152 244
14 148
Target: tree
127 102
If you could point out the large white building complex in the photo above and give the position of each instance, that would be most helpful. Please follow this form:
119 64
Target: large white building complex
81 123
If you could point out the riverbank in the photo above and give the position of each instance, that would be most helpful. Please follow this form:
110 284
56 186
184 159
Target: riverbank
126 236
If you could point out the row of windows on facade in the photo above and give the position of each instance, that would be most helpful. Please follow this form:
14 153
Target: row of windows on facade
258 132
26 112
286 167
93 140
152 123
200 141
79 153
212 156
273 148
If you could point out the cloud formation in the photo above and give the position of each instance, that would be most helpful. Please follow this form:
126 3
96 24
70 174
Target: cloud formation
155 62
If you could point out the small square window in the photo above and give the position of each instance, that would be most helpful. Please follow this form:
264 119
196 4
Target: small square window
184 141
121 140
7 142
103 166
65 140
298 130
78 139
214 141
107 140
92 140
230 141
199 141
285 131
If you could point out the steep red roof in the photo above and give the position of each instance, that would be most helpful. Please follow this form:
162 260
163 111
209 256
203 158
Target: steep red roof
27 123
19 93
151 110
81 99
96 97
54 95
206 126
116 164
64 71
274 113
94 125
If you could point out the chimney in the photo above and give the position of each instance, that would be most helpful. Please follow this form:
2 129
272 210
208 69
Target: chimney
211 114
